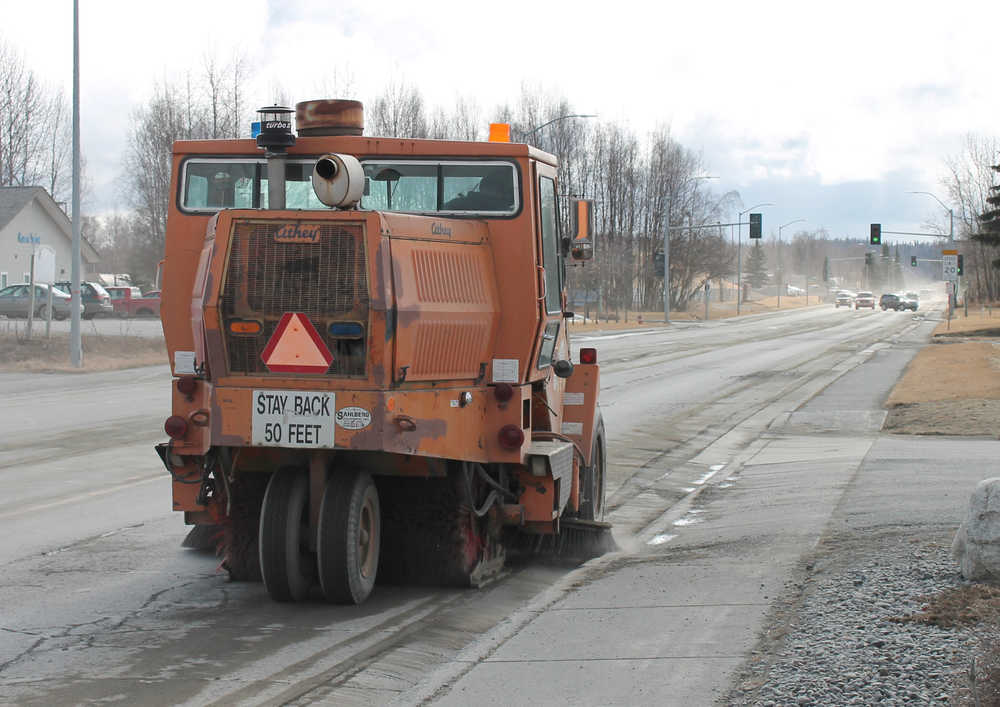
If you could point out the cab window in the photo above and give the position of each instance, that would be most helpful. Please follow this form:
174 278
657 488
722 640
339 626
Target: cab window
452 187
550 244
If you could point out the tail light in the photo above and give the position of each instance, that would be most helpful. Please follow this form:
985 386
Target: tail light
511 437
588 355
503 392
175 427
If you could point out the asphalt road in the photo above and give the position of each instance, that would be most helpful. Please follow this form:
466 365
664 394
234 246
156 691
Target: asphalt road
100 603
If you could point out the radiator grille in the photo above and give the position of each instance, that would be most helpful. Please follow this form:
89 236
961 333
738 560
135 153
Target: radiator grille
326 280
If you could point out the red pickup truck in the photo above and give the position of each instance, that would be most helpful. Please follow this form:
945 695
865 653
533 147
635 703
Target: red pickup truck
130 302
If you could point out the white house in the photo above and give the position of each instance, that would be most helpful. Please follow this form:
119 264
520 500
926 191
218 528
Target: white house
29 218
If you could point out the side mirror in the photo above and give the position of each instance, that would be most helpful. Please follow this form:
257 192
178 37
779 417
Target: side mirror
582 247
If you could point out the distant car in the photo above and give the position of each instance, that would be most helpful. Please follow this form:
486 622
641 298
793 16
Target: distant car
864 299
130 302
793 291
889 301
96 300
845 299
15 301
911 300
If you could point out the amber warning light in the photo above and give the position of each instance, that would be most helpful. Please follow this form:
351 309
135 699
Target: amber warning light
499 132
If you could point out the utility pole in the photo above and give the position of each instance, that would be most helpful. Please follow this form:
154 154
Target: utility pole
75 345
779 269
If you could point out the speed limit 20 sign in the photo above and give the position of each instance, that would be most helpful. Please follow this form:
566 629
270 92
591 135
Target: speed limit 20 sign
950 263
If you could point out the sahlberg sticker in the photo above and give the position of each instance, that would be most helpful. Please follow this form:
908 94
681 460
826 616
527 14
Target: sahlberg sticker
353 418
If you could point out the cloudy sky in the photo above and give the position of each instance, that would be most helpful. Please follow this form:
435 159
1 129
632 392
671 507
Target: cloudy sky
831 111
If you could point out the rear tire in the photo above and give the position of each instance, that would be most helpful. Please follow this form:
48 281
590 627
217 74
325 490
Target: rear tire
284 528
349 537
592 480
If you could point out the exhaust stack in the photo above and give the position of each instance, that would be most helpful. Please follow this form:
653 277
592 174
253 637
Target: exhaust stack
275 138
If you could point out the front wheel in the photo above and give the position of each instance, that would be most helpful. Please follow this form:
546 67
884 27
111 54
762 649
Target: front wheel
349 537
43 311
284 533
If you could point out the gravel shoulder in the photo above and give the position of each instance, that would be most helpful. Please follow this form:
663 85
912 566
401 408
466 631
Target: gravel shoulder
878 613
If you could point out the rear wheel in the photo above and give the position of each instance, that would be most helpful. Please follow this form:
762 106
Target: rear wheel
144 313
592 481
284 534
349 537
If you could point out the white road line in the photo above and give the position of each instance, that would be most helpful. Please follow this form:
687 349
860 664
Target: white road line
80 497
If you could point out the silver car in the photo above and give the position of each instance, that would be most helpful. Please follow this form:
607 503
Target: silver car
15 301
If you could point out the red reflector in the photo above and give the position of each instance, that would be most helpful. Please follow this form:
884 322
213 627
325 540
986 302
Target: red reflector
511 437
175 427
588 355
186 385
503 392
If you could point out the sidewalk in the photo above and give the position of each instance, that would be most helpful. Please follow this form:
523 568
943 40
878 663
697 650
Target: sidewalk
678 622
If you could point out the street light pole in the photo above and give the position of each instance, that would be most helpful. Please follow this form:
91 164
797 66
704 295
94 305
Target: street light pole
739 252
951 213
556 120
666 250
780 270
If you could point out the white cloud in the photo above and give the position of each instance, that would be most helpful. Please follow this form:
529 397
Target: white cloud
771 92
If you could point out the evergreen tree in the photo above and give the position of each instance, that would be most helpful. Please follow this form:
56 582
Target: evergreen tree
989 221
757 266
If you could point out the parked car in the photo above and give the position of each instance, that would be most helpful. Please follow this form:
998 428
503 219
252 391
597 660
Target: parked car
864 299
15 301
793 291
96 299
845 299
911 300
130 302
888 301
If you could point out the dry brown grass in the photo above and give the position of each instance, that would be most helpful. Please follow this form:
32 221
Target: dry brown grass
980 322
951 371
100 353
948 389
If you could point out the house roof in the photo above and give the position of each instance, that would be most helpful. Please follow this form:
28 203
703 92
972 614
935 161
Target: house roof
13 200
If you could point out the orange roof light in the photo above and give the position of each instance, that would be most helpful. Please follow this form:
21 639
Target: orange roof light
499 132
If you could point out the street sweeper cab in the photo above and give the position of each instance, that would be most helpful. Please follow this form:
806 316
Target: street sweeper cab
371 368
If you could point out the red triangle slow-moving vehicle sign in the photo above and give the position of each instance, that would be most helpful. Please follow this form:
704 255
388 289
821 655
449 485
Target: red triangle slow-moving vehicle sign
296 347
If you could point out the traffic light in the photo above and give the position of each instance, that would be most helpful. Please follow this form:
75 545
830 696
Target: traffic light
913 261
961 263
658 264
755 225
868 258
876 238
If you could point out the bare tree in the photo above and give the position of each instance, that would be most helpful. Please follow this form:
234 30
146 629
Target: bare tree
399 112
34 136
148 162
969 185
